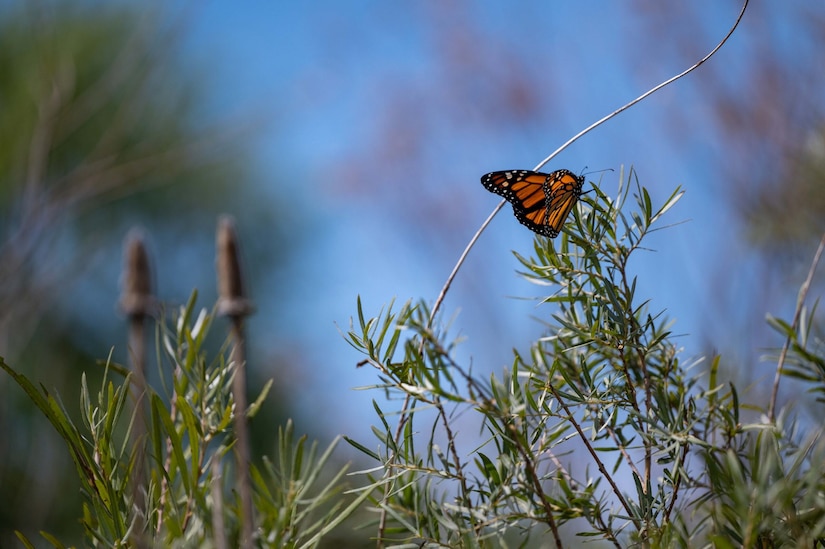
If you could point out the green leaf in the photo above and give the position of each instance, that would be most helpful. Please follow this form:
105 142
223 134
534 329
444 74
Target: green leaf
171 434
358 446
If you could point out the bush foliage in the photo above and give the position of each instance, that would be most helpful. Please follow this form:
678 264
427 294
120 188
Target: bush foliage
603 430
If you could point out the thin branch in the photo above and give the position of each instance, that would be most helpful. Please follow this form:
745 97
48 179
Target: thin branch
595 456
487 401
644 426
803 292
595 517
461 259
678 472
623 451
649 92
388 468
534 479
402 420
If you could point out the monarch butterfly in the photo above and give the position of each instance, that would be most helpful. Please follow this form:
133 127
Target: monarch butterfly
540 201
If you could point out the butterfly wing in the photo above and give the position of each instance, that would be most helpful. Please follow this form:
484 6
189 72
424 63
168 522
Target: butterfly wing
562 188
525 190
541 202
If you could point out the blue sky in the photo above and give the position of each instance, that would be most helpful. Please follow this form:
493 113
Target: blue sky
319 78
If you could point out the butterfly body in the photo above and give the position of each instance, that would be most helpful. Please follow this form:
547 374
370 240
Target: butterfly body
541 201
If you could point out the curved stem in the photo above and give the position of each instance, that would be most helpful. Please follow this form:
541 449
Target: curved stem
803 292
460 262
648 93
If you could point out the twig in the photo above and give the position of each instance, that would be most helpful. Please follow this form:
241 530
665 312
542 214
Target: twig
529 466
575 486
461 259
451 445
623 451
803 292
678 472
595 456
649 92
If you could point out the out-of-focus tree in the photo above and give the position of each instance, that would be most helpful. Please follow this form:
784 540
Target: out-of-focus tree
92 113
101 126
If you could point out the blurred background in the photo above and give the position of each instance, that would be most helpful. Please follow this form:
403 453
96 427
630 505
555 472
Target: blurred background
347 139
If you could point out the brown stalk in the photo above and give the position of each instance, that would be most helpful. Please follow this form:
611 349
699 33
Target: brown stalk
803 292
233 304
138 303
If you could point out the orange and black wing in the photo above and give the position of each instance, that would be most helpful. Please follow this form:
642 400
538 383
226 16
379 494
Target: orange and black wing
525 190
540 201
563 188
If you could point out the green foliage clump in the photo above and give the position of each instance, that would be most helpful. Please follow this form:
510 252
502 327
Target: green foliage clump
186 495
601 431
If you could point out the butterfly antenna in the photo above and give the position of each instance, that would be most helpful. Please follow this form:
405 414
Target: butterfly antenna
596 171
